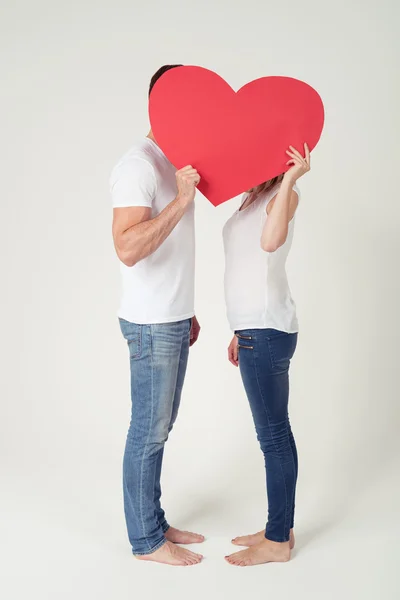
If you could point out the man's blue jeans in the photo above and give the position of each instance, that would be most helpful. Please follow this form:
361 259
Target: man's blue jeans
264 360
158 359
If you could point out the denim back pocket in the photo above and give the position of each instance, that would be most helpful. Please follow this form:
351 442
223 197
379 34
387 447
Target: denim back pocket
281 349
133 335
135 345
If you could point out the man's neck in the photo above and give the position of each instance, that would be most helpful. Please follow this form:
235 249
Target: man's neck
151 137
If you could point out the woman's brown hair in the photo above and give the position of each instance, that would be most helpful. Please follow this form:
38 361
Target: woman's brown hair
263 187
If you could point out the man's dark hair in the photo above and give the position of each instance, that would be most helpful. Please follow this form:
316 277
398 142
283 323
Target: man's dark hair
159 73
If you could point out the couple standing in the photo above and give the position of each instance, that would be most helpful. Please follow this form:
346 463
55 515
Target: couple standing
153 230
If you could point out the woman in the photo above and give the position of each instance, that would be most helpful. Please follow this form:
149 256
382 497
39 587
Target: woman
262 314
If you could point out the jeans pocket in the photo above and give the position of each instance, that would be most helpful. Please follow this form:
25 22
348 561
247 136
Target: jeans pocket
281 349
135 345
133 335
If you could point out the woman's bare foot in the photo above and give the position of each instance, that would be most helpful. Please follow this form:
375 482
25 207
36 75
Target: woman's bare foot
256 538
183 537
170 554
263 552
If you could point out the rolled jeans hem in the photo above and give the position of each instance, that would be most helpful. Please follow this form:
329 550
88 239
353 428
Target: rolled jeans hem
165 526
152 550
274 538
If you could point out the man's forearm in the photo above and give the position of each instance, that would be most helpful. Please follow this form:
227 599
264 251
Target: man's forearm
144 238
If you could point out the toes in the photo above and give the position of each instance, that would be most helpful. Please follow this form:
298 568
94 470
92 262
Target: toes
241 540
230 559
195 561
195 538
195 555
191 560
237 542
236 559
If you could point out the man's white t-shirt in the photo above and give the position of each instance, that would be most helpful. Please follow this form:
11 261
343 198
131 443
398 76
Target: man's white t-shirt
159 288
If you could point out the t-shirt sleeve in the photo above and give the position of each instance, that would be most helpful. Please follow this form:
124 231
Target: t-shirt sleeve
133 183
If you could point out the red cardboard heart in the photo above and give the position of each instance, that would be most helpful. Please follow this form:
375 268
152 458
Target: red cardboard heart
236 140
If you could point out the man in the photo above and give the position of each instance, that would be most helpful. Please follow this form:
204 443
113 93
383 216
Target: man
153 231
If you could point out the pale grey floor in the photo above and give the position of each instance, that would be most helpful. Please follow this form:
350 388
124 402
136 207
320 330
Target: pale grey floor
55 545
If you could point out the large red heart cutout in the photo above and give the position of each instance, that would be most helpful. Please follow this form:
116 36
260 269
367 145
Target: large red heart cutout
236 140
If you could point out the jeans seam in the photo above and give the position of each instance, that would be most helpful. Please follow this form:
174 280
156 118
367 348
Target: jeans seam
165 527
145 448
271 353
269 426
151 550
139 341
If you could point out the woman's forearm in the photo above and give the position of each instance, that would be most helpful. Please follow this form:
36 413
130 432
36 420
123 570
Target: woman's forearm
276 227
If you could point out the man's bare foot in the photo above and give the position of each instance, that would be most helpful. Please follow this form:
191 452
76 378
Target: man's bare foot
170 554
183 537
256 538
263 552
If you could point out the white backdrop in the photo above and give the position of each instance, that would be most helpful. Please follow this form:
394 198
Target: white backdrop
74 98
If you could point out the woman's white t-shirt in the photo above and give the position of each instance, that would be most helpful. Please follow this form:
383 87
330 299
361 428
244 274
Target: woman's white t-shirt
257 292
160 287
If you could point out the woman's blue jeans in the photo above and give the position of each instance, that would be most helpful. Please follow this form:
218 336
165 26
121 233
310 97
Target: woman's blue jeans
264 360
